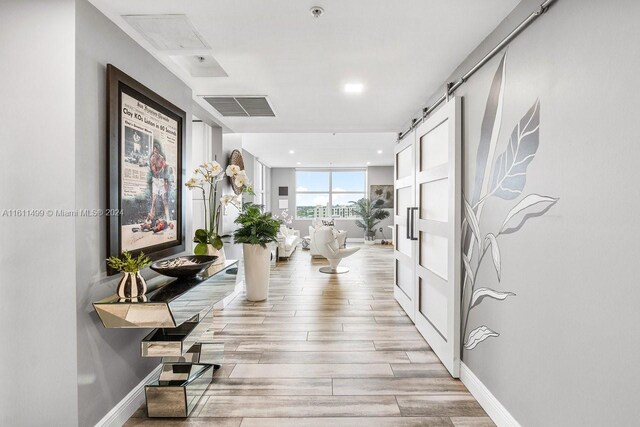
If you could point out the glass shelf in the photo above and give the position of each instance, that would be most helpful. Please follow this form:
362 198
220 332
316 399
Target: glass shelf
171 305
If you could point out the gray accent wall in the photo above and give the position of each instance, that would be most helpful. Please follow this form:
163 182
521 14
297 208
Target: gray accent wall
109 362
286 177
568 347
37 254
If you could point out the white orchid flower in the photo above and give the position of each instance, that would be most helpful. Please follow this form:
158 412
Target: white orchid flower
240 180
229 198
232 170
215 167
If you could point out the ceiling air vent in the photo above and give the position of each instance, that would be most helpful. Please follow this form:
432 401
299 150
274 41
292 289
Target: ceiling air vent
167 32
241 106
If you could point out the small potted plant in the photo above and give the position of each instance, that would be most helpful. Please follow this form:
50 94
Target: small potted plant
370 214
256 230
132 284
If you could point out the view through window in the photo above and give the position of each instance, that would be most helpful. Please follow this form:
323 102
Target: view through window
325 193
259 186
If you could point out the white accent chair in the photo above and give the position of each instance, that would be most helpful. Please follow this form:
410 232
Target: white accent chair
326 244
341 236
288 240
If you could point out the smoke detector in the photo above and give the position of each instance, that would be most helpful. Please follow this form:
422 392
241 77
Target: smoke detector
317 11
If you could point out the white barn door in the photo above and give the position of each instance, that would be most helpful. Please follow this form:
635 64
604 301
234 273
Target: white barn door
438 232
404 247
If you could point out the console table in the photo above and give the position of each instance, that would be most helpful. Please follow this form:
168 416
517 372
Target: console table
176 309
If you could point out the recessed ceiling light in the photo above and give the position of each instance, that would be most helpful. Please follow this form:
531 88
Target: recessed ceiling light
368 163
298 163
379 151
353 88
291 152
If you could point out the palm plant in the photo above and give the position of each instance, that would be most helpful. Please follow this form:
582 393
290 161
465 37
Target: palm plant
370 213
256 227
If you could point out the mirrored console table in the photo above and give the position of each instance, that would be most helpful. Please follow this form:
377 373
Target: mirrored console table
177 309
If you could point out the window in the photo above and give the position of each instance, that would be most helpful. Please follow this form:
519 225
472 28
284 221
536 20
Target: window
260 185
324 193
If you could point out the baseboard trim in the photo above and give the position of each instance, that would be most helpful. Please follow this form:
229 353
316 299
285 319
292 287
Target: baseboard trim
487 400
120 413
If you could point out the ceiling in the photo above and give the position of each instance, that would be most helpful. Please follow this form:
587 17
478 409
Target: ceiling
321 149
400 51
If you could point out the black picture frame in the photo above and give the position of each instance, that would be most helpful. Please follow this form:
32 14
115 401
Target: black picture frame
118 83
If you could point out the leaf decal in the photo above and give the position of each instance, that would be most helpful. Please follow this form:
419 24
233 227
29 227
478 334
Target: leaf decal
495 252
478 335
489 133
472 220
482 293
467 268
489 130
530 201
510 169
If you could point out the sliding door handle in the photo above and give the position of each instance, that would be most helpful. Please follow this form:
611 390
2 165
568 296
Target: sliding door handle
413 223
408 223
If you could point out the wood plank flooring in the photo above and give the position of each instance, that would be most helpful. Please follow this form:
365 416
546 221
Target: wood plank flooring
327 350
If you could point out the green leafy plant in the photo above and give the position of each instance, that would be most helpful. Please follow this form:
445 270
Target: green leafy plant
127 263
370 213
256 227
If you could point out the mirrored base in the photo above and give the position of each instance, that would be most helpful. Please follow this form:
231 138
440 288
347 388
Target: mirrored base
178 389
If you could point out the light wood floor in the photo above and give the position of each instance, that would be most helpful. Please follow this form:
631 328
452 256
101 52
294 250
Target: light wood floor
328 350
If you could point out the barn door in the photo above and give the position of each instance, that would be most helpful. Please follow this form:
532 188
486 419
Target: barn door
404 246
437 230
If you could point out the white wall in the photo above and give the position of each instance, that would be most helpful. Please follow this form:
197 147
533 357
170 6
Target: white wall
37 254
206 146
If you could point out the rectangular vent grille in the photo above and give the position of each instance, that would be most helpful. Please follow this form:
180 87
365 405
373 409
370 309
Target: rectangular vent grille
241 106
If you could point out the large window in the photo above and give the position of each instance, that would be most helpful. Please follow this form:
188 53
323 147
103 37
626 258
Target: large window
260 185
324 193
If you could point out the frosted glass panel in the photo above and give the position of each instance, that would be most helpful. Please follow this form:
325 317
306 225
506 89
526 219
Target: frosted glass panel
434 147
404 165
402 243
434 200
434 252
433 303
404 279
403 200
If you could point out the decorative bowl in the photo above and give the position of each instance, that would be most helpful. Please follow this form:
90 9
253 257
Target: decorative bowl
183 266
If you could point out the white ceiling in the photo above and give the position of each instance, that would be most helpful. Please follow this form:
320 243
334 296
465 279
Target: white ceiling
321 149
402 51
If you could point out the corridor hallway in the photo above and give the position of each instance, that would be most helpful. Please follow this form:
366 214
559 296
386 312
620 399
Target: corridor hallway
327 350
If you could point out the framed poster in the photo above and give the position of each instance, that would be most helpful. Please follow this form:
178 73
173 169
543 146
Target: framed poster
382 194
146 168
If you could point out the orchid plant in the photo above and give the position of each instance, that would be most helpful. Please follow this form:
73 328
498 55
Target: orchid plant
207 178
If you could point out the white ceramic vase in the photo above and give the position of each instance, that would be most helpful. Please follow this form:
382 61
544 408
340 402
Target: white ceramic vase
256 271
219 253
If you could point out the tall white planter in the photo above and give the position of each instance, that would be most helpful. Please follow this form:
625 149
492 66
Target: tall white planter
256 271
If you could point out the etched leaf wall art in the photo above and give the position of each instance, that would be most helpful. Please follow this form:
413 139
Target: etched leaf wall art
510 169
504 177
478 335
